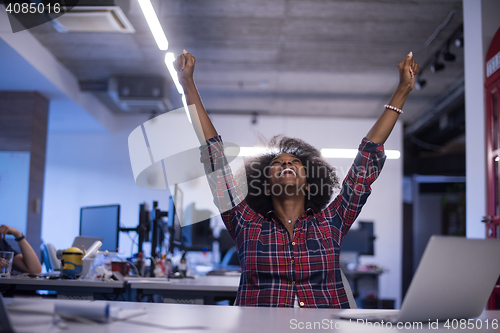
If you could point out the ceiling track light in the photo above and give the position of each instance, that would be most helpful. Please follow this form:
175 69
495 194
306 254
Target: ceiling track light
436 65
447 55
433 64
420 83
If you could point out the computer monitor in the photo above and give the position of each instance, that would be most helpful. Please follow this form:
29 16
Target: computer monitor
174 225
360 240
197 235
102 222
193 236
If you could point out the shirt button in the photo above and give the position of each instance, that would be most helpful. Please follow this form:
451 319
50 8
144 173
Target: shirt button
301 303
293 282
293 243
296 229
292 261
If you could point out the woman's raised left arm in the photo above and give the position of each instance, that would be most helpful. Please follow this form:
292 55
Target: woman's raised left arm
408 68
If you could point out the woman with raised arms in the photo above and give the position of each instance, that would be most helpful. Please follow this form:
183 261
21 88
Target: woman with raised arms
287 232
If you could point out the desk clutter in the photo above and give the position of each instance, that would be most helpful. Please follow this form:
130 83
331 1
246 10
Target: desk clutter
45 316
167 262
161 247
209 290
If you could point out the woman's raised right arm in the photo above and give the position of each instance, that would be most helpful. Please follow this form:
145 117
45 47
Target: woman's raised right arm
184 65
228 197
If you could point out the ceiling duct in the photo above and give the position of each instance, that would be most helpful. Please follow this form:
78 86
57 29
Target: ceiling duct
141 94
94 16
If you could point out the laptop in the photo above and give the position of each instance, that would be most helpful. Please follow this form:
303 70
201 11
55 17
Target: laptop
85 241
5 324
454 280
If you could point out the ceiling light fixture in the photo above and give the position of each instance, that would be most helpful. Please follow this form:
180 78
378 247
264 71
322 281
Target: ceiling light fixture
325 152
351 153
420 83
436 65
248 151
169 61
154 24
433 64
447 55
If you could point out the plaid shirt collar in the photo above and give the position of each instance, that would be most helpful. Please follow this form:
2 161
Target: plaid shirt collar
271 214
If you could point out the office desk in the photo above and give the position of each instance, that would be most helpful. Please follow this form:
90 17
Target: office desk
66 289
200 290
217 319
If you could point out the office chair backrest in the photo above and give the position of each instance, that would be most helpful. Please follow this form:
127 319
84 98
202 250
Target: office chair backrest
230 258
348 291
225 242
50 258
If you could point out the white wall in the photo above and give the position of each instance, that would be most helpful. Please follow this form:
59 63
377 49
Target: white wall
94 169
86 169
14 187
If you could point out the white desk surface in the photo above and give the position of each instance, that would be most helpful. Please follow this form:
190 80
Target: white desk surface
209 318
206 283
24 280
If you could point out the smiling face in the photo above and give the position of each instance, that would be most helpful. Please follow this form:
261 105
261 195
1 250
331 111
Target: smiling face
287 170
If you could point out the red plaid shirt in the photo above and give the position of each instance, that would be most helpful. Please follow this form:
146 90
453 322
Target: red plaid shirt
276 268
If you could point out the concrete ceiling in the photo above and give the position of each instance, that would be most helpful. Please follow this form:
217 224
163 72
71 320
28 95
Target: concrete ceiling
279 57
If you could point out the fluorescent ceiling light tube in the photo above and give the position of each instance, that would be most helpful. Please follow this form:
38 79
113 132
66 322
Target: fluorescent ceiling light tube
186 108
338 153
245 151
154 24
169 61
393 154
351 153
325 152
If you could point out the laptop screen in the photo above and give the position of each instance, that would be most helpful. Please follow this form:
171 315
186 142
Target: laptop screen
5 325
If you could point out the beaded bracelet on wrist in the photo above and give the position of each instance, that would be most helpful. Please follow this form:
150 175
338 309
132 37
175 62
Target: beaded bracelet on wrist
387 106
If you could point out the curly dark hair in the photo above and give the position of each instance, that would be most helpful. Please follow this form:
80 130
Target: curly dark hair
321 176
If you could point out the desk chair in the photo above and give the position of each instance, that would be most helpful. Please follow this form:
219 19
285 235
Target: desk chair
50 260
225 242
348 291
230 258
